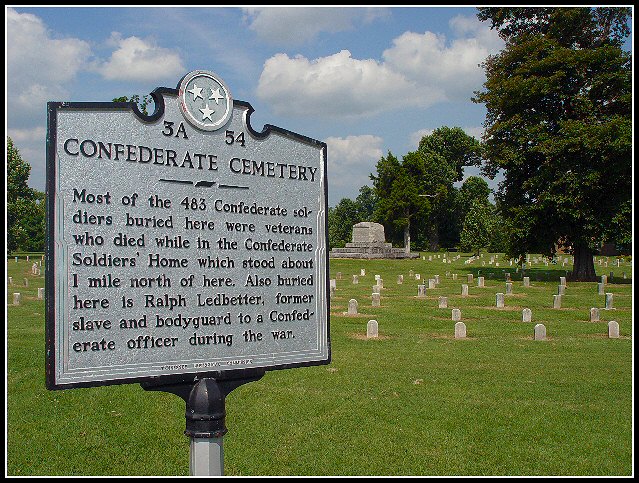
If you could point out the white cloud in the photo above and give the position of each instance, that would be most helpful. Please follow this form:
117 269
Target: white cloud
38 66
337 85
28 135
417 70
137 59
295 25
350 162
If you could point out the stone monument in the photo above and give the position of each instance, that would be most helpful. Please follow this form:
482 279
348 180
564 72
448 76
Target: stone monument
369 242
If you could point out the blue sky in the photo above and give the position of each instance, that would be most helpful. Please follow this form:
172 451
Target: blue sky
364 80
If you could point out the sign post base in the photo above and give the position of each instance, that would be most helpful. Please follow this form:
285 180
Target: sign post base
205 418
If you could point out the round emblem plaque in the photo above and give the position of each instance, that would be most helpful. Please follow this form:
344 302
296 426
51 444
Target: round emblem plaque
205 100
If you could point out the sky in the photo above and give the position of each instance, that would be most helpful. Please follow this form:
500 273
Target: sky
365 80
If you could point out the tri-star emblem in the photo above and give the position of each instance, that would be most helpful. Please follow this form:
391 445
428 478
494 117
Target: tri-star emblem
205 100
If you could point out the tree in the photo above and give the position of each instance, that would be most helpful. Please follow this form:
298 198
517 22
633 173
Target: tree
559 125
398 187
478 227
473 189
21 199
347 213
340 222
366 202
455 146
449 151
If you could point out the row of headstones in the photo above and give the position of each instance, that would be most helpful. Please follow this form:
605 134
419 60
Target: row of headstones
26 281
470 277
16 258
17 296
421 289
372 330
456 313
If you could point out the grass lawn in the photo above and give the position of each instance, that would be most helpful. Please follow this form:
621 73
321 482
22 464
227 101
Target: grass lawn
414 401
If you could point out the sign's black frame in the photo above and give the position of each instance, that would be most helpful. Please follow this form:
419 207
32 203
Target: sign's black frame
50 302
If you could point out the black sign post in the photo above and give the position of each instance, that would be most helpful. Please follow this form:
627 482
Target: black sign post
185 251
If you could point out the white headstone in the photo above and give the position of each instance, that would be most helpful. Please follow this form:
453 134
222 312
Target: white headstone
608 301
480 281
601 288
562 281
509 288
464 290
526 281
377 289
375 299
352 307
443 302
613 330
499 300
40 293
540 332
556 301
16 298
418 276
456 314
470 278
431 283
400 279
526 315
594 314
561 289
372 329
362 272
460 330
355 279
421 290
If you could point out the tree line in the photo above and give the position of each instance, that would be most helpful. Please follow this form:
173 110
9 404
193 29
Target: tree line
416 199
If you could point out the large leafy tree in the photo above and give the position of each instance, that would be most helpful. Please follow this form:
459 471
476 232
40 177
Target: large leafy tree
559 126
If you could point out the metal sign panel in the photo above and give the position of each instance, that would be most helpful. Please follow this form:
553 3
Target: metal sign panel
183 244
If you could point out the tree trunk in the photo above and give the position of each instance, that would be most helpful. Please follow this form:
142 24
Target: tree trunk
584 266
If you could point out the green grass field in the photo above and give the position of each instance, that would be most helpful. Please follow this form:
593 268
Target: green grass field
414 401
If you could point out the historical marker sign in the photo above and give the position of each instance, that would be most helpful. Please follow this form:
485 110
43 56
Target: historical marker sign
182 244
